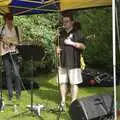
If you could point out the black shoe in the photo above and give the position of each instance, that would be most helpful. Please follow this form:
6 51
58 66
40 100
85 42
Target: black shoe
62 107
10 98
18 95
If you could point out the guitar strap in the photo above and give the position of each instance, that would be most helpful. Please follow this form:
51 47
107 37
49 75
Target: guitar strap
2 30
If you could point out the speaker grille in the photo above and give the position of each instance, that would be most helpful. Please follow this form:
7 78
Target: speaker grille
92 107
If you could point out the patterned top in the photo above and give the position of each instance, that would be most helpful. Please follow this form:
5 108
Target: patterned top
9 40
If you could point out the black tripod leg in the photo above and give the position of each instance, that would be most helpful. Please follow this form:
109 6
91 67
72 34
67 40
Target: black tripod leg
1 82
58 116
31 95
59 98
16 70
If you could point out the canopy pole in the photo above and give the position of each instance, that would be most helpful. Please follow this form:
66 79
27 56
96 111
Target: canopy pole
114 56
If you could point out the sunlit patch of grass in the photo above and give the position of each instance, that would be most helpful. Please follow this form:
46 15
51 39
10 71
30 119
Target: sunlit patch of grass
48 95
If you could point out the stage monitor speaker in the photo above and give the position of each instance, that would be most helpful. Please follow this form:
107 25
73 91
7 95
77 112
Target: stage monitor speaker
92 108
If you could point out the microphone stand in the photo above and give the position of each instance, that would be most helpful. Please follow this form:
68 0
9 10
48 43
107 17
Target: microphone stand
58 61
34 108
58 65
31 52
15 70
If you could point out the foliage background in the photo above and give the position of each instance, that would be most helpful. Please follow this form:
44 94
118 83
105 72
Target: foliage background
42 30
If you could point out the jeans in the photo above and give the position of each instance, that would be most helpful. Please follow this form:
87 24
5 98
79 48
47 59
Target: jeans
11 67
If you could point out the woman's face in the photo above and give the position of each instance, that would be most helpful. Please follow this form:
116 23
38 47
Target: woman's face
67 23
8 21
8 18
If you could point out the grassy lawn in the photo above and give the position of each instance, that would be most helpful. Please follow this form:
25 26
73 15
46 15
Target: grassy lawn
118 101
48 95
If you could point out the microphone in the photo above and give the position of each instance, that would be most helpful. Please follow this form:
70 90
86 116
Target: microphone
61 27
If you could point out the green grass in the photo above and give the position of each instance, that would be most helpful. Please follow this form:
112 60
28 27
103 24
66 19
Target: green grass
118 101
47 95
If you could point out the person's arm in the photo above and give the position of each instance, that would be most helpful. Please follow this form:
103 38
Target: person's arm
79 44
20 35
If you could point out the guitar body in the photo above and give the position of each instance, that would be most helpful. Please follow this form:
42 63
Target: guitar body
4 49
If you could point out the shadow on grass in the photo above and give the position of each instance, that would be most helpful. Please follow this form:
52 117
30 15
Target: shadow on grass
48 87
25 114
50 95
90 91
43 80
118 93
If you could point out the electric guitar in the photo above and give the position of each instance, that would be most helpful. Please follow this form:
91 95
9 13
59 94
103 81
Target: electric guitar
8 44
6 47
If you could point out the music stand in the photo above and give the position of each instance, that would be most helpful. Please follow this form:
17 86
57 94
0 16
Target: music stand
32 53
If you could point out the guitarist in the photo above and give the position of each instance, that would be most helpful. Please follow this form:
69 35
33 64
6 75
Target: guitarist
9 38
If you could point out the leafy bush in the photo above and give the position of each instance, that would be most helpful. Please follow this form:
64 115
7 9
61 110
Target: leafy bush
41 30
97 22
